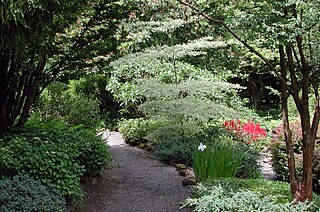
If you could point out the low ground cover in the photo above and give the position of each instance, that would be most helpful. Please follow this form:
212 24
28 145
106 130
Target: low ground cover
230 194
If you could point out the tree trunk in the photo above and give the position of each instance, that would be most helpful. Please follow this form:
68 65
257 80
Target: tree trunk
294 184
18 88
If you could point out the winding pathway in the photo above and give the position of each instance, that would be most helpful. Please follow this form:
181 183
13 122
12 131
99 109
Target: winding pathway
138 182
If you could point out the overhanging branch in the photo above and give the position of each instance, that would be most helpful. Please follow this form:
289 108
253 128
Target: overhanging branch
248 46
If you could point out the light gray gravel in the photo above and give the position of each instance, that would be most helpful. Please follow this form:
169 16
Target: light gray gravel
138 182
265 163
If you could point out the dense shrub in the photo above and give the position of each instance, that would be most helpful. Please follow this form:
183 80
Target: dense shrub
170 132
58 101
55 153
250 167
135 131
245 195
25 194
176 150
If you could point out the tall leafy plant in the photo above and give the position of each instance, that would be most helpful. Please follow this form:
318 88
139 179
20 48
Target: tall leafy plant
217 161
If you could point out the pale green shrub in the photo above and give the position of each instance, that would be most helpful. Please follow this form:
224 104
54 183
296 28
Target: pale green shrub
217 198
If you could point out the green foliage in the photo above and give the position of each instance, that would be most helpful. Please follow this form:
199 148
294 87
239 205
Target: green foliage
135 131
176 150
187 109
87 46
91 86
58 101
124 79
27 32
175 54
198 100
280 190
250 167
203 87
279 154
170 132
217 161
32 23
245 195
243 200
47 162
55 153
25 194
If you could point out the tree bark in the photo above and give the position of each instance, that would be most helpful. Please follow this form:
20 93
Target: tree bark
294 184
19 85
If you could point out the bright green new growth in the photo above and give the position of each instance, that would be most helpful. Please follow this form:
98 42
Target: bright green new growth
217 161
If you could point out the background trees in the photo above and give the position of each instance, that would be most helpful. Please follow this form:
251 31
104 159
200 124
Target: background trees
27 31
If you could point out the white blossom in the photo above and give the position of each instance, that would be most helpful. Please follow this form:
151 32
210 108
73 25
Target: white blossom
202 147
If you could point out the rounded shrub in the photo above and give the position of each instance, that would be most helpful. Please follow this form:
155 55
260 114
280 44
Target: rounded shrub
135 131
22 193
54 153
177 150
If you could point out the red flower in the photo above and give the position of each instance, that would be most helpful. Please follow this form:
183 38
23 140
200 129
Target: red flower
243 129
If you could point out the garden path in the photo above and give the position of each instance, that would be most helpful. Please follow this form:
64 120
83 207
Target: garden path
265 162
138 182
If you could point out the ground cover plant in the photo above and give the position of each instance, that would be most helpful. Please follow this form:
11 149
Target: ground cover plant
22 193
231 194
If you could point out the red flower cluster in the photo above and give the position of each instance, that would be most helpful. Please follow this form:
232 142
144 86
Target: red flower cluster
245 129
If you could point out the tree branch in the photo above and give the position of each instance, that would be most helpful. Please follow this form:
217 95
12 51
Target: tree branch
253 50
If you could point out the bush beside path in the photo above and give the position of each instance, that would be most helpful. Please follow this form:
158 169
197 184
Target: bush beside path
138 182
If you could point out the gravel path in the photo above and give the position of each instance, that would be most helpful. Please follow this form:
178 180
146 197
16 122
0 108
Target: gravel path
138 182
266 165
